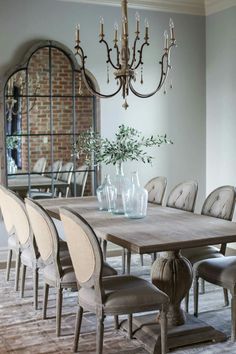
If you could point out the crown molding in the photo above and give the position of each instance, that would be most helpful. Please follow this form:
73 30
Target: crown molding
190 7
214 6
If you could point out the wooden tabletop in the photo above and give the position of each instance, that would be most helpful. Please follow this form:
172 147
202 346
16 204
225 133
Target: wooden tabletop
21 182
163 228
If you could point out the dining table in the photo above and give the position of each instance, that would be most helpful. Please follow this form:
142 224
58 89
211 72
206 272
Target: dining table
164 230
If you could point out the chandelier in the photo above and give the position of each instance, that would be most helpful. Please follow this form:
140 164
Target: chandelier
127 61
18 82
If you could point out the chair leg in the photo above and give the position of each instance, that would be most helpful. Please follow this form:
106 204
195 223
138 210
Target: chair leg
128 261
36 285
100 331
233 318
116 321
226 297
130 326
104 249
17 276
154 256
202 282
195 296
123 260
58 314
45 301
9 258
187 302
79 318
163 324
22 287
141 260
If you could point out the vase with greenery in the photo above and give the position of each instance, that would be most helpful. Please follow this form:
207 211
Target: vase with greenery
129 144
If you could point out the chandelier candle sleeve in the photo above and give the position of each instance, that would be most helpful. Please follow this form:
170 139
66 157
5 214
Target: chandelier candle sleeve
129 59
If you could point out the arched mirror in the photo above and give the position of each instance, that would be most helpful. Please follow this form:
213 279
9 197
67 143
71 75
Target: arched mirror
46 106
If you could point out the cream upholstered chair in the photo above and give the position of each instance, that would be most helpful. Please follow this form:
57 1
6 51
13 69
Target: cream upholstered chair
40 165
13 242
29 257
156 189
183 196
220 203
58 271
221 272
122 294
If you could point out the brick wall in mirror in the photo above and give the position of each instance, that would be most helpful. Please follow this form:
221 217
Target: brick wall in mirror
46 106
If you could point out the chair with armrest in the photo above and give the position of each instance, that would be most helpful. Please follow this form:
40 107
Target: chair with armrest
220 203
13 242
122 294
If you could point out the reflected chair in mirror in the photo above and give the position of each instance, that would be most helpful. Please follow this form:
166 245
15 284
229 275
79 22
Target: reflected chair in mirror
183 196
54 170
115 295
29 256
81 177
13 242
220 203
58 271
156 189
40 165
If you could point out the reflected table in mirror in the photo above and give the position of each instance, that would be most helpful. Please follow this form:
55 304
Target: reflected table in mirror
22 183
164 230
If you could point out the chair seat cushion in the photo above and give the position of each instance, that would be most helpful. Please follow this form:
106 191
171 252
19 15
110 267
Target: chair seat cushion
199 253
125 294
220 271
27 257
68 275
13 242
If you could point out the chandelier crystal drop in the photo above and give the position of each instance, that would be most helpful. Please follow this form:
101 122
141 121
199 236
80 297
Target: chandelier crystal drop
128 61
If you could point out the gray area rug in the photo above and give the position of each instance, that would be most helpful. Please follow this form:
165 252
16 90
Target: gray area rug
23 331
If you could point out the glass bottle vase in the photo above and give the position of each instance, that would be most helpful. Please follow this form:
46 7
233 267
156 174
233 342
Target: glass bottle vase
105 194
135 199
121 184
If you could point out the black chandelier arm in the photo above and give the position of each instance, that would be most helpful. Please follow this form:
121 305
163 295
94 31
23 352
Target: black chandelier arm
164 74
93 91
109 50
140 51
137 38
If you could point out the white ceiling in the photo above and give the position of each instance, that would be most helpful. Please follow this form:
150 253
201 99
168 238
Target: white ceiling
194 7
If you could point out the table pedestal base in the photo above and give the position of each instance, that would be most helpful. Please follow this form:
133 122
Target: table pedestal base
147 330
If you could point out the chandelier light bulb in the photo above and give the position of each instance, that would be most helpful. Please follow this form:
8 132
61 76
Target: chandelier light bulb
146 23
116 27
172 26
166 40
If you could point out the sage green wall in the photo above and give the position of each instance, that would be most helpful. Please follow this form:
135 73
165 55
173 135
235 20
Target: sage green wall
221 99
181 113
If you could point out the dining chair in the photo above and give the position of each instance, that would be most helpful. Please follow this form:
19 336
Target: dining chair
220 203
156 189
220 272
80 180
183 196
54 170
40 165
13 244
119 295
58 271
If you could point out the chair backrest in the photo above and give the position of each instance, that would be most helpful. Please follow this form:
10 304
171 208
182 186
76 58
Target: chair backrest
45 233
40 165
220 203
85 251
183 196
6 212
156 189
55 168
80 180
66 172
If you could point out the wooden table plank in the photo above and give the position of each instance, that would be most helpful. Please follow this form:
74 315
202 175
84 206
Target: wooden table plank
163 228
21 183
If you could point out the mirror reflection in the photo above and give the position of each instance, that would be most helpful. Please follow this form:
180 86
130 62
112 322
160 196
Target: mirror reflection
46 106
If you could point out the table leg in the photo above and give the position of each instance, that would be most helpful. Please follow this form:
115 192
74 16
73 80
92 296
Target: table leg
172 274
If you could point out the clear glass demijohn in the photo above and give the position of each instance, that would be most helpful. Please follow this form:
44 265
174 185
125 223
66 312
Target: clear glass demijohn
105 194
